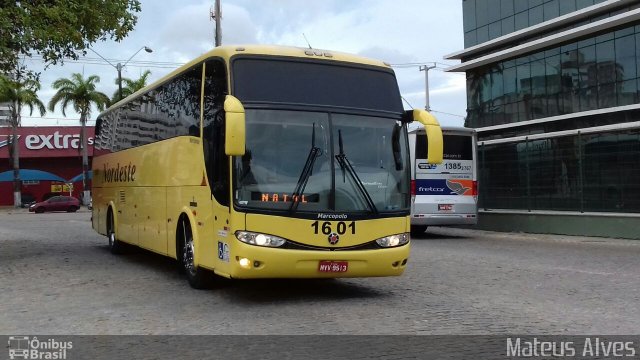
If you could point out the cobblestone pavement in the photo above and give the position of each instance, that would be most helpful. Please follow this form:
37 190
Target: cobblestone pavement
58 277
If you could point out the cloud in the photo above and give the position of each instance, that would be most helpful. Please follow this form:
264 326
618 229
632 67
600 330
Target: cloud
190 32
411 31
389 55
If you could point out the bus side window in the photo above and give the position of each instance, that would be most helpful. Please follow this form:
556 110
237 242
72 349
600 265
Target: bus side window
216 161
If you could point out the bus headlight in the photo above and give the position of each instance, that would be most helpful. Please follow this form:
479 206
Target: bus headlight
393 240
259 239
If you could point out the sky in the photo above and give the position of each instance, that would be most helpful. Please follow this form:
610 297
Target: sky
403 33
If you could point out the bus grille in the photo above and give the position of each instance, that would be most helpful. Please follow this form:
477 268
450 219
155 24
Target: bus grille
297 246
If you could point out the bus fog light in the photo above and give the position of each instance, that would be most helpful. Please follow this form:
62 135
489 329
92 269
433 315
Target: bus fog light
393 240
259 239
245 263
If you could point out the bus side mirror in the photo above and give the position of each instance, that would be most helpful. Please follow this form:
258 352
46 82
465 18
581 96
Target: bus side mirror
235 131
434 135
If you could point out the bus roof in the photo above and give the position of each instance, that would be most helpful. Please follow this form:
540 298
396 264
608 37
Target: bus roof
227 52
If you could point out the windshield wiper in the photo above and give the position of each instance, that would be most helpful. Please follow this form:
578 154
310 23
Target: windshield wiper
307 171
345 164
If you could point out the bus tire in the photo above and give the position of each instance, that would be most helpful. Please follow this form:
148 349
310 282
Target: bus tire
115 245
417 230
198 278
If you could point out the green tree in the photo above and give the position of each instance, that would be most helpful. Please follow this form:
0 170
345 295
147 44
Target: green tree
18 94
60 29
81 94
130 86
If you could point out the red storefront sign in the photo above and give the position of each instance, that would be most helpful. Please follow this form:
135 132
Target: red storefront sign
53 142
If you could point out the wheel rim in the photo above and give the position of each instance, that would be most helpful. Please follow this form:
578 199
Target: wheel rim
112 238
187 252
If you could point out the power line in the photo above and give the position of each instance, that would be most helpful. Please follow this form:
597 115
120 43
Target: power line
446 113
407 101
112 60
438 65
97 61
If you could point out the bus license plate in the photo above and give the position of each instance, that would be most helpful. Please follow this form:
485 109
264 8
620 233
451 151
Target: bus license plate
445 207
333 266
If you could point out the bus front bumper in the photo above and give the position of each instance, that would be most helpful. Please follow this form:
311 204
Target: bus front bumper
252 262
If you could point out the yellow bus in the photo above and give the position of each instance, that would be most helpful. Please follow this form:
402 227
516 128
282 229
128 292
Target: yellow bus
262 162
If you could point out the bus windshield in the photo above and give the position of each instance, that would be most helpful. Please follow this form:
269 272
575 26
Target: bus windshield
323 162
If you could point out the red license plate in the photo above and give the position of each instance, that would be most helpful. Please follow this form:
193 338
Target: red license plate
333 266
445 207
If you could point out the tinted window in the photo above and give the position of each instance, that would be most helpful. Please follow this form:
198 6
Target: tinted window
592 172
589 74
455 147
551 10
170 110
216 161
469 14
313 83
506 8
567 6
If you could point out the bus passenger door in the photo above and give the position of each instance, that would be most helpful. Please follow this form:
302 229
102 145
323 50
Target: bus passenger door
217 164
152 226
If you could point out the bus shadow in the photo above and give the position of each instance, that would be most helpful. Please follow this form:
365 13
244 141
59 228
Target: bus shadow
296 290
437 235
139 257
258 290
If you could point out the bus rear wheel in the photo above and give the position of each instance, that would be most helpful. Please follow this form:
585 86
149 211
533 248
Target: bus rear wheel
115 246
198 278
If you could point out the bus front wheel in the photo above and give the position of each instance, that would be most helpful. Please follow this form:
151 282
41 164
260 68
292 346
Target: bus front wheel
417 230
198 278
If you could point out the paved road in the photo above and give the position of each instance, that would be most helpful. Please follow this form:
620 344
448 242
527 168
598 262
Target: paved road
58 277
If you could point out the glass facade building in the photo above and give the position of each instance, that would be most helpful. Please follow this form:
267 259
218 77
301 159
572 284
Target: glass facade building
553 91
486 20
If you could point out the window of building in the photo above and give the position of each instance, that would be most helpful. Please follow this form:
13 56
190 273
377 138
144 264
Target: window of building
592 73
592 173
469 15
551 10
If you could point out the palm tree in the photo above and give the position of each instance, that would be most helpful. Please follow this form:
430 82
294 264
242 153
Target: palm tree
81 93
18 94
130 86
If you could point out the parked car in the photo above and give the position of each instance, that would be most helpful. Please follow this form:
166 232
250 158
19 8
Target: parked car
56 203
27 200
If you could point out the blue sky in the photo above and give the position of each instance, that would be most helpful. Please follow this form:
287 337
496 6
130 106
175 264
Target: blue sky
398 32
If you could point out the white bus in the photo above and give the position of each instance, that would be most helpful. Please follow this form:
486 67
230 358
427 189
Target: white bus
446 193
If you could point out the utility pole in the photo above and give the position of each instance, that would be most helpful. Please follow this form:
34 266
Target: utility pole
216 15
426 69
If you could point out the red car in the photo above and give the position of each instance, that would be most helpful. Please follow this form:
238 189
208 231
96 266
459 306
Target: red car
56 203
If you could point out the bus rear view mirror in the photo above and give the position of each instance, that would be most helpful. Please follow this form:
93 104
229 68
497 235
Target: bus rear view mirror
235 131
434 135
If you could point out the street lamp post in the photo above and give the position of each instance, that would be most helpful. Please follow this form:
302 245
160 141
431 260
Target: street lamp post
120 66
